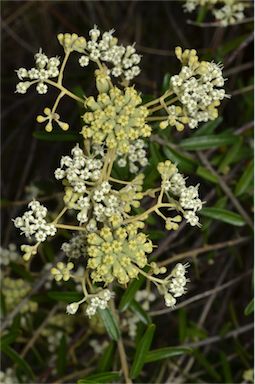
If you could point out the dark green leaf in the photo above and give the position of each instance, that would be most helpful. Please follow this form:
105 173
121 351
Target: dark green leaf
106 361
184 163
223 215
21 271
207 365
207 175
226 368
207 142
130 292
62 356
165 353
105 377
17 359
245 181
231 155
140 312
207 128
67 297
166 82
141 351
53 136
250 308
9 338
110 323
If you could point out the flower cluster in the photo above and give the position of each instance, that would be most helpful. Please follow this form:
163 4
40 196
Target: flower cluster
33 222
198 88
76 247
72 42
100 301
49 117
231 12
123 60
78 172
115 118
8 255
174 183
104 207
8 377
174 285
45 68
94 199
226 12
135 158
14 290
62 271
115 254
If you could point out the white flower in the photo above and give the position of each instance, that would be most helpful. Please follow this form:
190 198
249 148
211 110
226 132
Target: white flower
170 301
41 88
84 61
33 222
72 308
191 218
22 87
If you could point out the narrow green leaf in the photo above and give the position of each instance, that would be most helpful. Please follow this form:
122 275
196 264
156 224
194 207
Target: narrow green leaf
97 378
250 308
206 142
140 312
245 181
184 163
62 356
165 353
110 323
231 155
9 338
207 175
53 136
17 359
141 351
223 215
206 364
21 271
67 297
226 368
106 360
166 82
130 292
207 128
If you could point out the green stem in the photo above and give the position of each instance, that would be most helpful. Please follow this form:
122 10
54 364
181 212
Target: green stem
63 89
61 72
71 227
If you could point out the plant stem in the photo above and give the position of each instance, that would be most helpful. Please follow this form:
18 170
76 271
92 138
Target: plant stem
71 227
63 89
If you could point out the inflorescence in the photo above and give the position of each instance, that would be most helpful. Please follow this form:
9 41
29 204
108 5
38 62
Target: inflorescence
225 12
109 240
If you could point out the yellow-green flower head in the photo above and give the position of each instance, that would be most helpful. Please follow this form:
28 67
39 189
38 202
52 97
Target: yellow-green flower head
116 119
72 42
14 290
166 169
115 254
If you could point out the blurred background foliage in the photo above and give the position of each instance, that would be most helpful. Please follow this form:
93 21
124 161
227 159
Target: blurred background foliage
215 317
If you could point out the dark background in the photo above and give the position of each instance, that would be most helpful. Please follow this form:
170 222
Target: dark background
157 27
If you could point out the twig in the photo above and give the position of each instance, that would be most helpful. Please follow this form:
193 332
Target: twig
215 339
38 331
226 189
206 248
243 90
239 49
200 296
